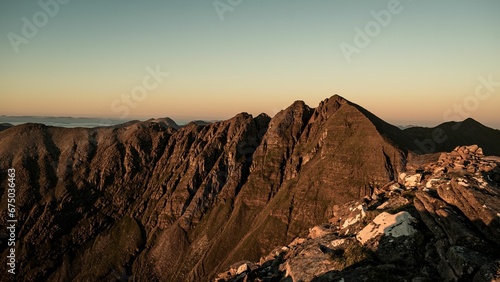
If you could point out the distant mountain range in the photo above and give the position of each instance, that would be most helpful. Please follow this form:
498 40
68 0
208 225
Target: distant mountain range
61 121
155 201
72 122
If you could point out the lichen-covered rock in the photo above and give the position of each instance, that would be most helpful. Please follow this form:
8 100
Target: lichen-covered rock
480 205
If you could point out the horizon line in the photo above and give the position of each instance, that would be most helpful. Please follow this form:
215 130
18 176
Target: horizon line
181 121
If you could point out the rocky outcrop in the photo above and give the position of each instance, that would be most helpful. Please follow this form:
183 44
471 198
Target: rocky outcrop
461 207
336 255
481 205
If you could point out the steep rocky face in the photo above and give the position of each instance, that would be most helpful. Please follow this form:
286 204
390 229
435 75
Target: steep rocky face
318 158
83 192
152 201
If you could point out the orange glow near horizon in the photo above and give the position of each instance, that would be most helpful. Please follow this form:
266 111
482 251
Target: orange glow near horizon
258 60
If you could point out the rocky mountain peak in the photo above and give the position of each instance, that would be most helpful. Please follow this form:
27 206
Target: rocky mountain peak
329 106
335 99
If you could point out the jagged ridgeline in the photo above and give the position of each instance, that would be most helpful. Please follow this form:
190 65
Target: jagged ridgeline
154 201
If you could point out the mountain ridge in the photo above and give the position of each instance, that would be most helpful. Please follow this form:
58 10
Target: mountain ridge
211 194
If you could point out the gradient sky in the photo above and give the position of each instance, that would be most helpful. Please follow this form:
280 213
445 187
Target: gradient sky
261 57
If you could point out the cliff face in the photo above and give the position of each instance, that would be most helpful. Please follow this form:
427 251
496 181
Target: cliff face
91 200
153 201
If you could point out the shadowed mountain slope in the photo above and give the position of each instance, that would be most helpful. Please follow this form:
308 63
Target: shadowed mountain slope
4 126
447 136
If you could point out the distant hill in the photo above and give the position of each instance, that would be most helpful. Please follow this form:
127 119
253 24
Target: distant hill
449 135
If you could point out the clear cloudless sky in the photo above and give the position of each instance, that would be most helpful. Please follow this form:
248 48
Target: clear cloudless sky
259 57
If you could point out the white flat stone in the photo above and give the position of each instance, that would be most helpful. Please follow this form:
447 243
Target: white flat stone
391 225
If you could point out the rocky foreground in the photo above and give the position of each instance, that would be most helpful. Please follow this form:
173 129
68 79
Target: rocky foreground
439 222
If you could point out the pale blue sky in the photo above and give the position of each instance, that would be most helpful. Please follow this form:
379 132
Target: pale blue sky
261 57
